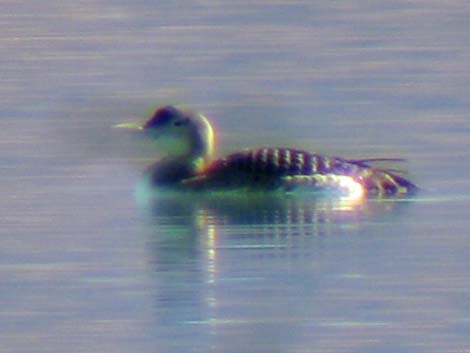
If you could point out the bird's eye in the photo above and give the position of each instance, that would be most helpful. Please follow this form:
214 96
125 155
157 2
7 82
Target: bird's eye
181 122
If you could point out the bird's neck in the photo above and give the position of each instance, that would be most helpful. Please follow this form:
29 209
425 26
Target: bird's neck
201 145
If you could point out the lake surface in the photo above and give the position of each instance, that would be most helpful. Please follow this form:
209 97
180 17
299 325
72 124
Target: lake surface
85 266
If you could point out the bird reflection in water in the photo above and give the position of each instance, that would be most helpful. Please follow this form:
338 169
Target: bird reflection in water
201 241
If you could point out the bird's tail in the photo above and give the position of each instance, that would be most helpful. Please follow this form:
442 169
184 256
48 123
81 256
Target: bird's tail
384 182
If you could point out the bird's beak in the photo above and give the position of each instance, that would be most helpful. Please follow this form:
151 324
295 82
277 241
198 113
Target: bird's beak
129 126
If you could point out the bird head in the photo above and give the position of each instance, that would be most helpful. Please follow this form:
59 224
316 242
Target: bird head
178 132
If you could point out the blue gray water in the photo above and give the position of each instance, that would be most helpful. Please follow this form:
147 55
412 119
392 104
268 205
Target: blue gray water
85 266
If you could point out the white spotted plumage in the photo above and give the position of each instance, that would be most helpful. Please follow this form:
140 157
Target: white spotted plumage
300 161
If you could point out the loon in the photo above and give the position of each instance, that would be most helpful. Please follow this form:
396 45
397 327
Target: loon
192 165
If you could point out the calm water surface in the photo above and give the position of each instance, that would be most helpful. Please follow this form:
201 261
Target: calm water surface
85 266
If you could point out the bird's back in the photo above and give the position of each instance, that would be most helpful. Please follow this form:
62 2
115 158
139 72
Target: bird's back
287 168
264 164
